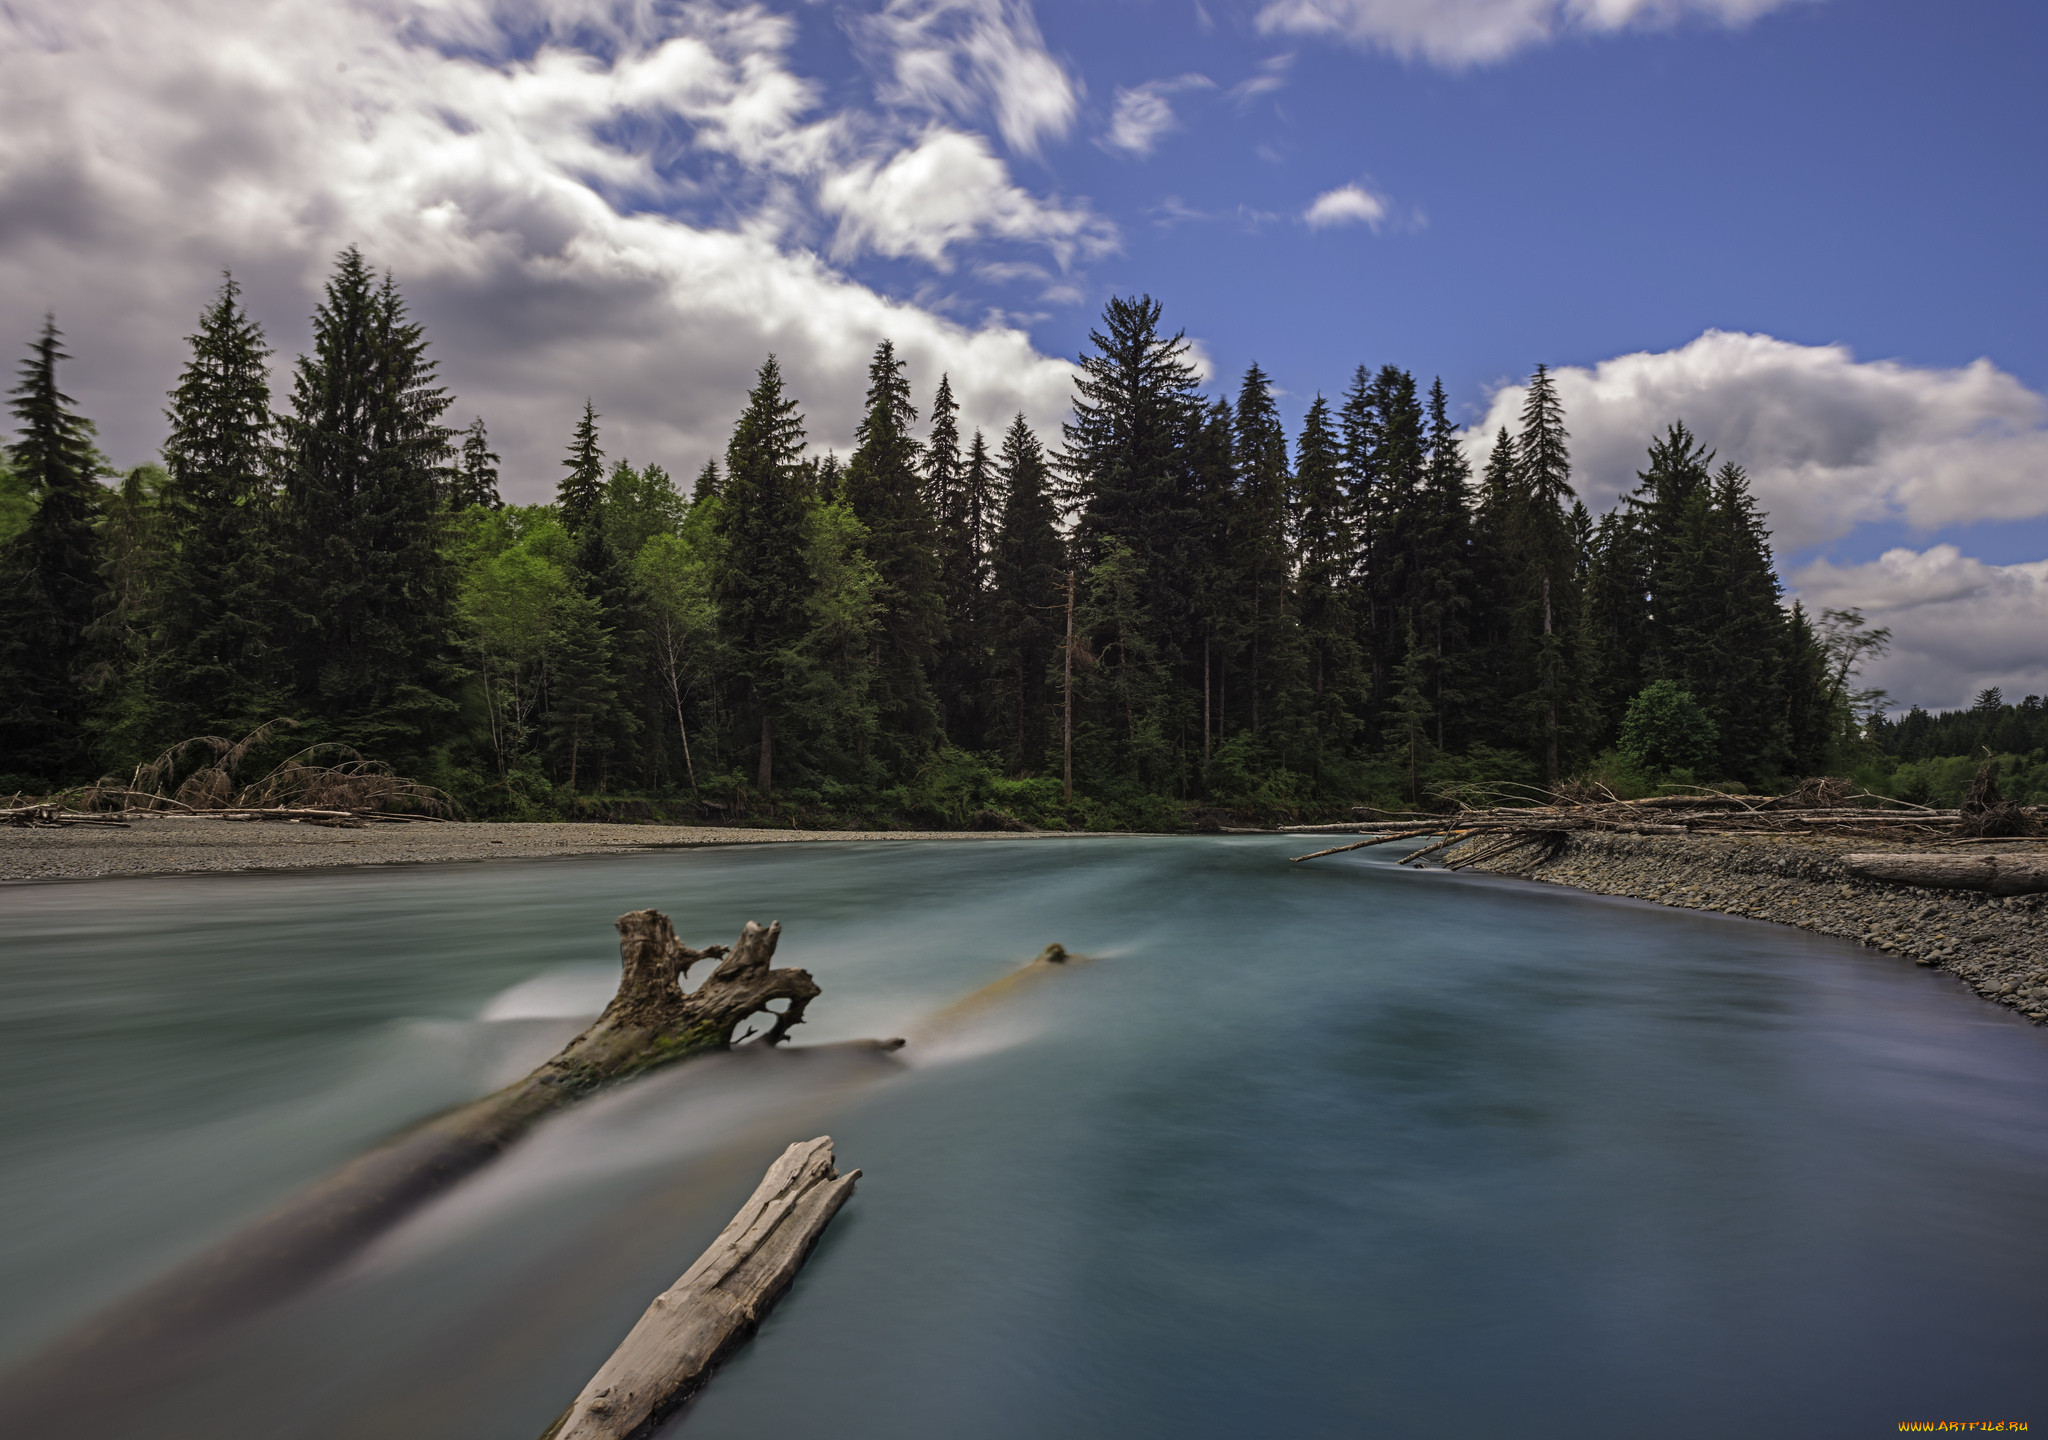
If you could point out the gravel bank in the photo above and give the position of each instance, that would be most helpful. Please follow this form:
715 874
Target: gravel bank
172 845
1998 947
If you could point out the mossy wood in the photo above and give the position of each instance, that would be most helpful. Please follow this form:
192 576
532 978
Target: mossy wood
717 1304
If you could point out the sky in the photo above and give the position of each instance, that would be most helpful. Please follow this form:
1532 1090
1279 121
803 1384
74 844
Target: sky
1810 229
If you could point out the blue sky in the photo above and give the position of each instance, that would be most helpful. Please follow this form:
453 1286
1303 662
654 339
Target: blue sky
1810 228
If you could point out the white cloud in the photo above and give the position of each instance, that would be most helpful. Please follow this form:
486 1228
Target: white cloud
1346 205
1456 33
1271 76
1830 442
1144 114
948 189
960 58
522 192
1957 624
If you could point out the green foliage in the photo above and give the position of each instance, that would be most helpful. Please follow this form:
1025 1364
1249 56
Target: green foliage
1665 729
49 580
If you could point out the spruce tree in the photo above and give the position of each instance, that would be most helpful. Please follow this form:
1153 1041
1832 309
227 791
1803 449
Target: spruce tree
49 579
763 584
475 480
956 671
371 593
218 651
1027 572
579 494
1543 554
707 483
1263 484
882 489
1440 544
1322 550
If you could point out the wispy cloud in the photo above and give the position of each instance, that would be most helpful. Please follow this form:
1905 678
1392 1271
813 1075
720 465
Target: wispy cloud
1144 113
1458 33
1271 76
964 59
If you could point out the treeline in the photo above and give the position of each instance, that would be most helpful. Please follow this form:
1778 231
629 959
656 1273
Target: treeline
1176 599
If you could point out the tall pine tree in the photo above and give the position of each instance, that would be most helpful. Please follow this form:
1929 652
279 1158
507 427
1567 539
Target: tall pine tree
370 639
882 487
49 579
1027 572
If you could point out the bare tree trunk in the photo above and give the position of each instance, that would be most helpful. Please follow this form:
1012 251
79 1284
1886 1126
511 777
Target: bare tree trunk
701 1320
767 771
1205 697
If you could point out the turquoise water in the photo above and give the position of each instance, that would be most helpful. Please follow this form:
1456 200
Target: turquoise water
1323 1150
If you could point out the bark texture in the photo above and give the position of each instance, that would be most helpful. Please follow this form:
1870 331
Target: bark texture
1998 874
718 1303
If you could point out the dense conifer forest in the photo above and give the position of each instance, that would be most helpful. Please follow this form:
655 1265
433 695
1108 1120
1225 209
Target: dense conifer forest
1169 606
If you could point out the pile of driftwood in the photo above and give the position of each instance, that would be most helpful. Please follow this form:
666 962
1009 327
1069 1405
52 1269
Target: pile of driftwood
1819 807
201 778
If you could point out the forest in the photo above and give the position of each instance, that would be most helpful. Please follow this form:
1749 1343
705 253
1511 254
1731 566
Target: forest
1170 610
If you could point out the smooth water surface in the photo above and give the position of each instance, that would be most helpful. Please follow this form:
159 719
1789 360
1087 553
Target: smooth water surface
1324 1150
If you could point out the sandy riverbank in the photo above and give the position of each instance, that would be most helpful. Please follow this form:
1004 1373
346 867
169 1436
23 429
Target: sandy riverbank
174 845
1998 947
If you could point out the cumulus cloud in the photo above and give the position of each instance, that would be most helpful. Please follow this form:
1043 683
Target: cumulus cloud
964 58
1957 624
1346 205
578 198
947 189
1145 113
1830 442
1457 33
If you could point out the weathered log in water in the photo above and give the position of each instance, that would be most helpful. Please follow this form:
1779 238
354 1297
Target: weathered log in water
1998 874
716 1306
651 1022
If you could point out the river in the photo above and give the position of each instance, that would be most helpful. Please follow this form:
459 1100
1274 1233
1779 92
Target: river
1325 1150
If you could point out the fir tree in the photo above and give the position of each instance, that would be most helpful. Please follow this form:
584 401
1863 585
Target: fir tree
217 657
707 483
1261 542
1322 548
579 495
883 491
1028 566
372 597
476 476
763 585
49 578
956 670
1543 556
1440 544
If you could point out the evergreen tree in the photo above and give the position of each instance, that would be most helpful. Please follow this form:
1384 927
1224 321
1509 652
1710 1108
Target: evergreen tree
1440 547
49 579
217 655
763 585
372 594
579 495
1322 548
882 489
957 671
1542 555
1264 483
476 476
1028 567
707 484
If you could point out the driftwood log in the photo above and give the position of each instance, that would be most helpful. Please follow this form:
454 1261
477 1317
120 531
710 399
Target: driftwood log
1999 874
718 1303
650 1023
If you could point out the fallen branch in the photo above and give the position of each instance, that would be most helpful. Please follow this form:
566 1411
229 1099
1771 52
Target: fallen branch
716 1306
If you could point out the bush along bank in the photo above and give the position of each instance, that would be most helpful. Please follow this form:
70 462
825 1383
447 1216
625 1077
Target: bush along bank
1998 946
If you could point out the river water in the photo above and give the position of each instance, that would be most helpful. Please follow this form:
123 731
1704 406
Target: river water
1326 1150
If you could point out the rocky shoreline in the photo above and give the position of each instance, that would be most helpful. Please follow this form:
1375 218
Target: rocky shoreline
1997 946
172 845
